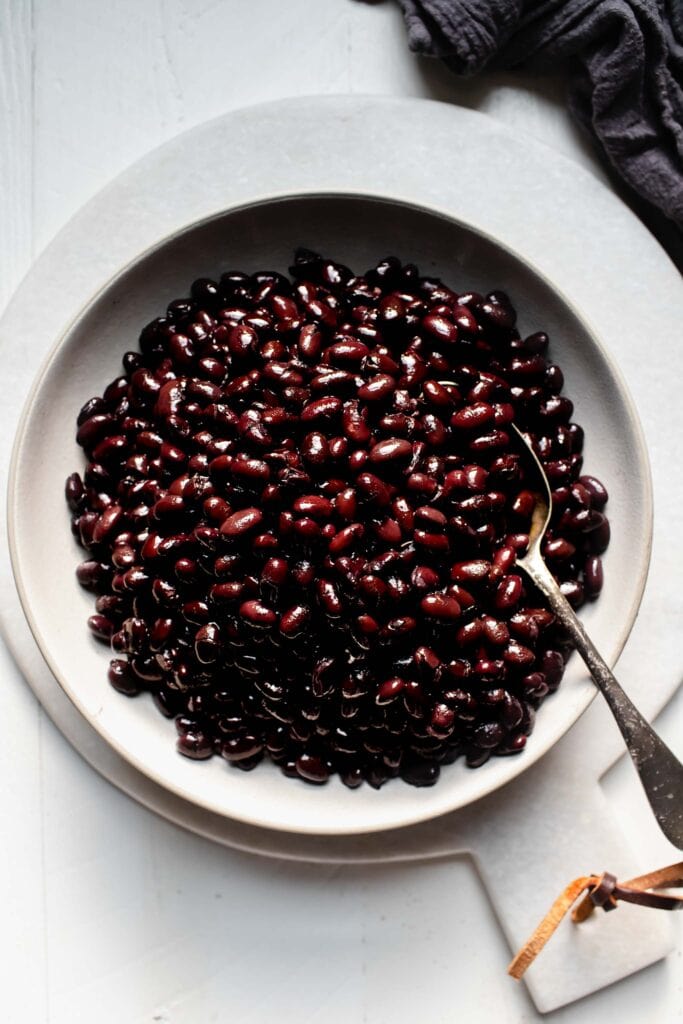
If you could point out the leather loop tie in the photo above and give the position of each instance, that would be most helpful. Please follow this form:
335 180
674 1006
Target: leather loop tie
602 894
601 891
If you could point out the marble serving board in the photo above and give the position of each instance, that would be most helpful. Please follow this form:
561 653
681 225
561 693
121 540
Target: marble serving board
553 823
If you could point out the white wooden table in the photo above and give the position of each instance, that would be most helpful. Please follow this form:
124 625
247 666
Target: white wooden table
110 914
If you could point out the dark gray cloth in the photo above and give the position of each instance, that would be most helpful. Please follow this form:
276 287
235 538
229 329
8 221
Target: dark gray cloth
625 59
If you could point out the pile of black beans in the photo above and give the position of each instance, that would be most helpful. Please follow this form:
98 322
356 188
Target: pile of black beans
303 542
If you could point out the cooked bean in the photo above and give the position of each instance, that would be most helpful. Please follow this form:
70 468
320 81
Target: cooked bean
122 678
239 523
440 328
473 417
472 571
592 576
377 388
440 606
374 489
509 592
321 409
312 769
558 549
258 614
295 620
393 449
101 627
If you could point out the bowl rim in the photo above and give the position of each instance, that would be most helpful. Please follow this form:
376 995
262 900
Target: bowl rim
517 766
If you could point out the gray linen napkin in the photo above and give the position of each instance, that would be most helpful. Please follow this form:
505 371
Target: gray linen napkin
625 59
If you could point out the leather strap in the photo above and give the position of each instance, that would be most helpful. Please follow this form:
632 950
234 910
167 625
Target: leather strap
601 891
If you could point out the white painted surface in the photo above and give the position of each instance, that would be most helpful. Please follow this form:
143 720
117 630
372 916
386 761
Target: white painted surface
110 913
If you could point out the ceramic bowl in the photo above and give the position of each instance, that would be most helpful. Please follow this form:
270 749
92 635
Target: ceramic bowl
356 230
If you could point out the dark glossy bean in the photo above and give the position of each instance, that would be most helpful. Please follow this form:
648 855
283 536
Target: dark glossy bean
557 408
593 576
493 441
552 667
377 389
306 528
122 678
558 549
108 523
207 643
433 430
74 492
312 769
508 593
295 620
422 483
374 489
535 685
111 450
475 570
598 539
315 448
392 450
597 491
528 368
488 735
93 407
354 423
442 720
346 538
314 505
309 341
195 744
388 531
470 633
101 627
124 556
473 417
524 504
430 518
504 559
524 626
250 469
258 614
420 772
91 574
239 523
440 328
389 690
240 748
518 655
574 592
329 598
431 541
92 430
440 606
357 460
321 409
496 633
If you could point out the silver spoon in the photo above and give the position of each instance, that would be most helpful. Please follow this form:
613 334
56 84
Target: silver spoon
661 773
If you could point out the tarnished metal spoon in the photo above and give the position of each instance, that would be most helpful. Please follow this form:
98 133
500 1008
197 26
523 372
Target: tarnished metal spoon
661 773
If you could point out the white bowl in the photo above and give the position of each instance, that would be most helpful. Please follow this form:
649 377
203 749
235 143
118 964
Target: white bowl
357 230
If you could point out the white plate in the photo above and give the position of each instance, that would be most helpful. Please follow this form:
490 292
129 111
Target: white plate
358 231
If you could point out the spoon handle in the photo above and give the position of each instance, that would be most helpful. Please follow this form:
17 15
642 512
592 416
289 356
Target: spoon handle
661 773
